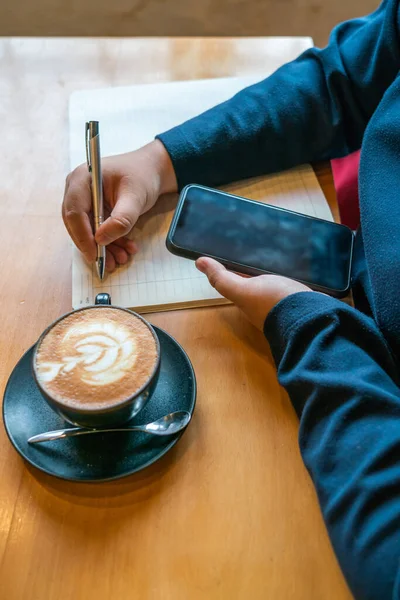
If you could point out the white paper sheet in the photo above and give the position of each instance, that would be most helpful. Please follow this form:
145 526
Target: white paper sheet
130 117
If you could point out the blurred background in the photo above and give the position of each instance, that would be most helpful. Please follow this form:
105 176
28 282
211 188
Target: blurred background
314 18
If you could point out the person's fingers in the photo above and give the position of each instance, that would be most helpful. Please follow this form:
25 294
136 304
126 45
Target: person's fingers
128 245
120 255
228 284
110 262
79 228
75 212
122 219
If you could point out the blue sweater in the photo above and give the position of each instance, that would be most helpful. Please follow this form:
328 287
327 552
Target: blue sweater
339 365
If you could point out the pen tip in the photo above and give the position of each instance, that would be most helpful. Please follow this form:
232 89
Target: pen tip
101 268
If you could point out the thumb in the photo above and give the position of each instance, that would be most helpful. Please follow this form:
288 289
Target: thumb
121 221
228 284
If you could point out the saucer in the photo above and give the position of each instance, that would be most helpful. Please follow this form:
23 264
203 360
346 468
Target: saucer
97 457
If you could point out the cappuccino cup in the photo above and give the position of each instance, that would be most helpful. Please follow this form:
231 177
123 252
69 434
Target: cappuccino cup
97 366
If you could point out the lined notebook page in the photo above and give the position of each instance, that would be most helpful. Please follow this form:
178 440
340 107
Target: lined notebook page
129 118
158 280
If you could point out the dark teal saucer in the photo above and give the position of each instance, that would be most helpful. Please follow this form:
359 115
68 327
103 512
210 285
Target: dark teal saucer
97 457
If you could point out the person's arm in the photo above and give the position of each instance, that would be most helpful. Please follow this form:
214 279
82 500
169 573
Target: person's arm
314 108
344 386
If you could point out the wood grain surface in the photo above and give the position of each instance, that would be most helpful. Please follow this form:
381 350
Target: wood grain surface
230 513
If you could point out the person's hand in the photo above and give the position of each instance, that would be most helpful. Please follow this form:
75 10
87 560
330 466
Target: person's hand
132 183
255 296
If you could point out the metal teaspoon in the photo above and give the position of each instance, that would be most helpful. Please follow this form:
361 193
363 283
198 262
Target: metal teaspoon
167 425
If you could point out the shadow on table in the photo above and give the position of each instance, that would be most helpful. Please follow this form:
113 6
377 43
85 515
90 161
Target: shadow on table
130 490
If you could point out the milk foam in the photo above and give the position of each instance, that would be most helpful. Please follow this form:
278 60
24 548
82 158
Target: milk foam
99 353
96 357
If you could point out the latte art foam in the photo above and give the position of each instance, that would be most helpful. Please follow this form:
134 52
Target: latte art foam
96 356
101 354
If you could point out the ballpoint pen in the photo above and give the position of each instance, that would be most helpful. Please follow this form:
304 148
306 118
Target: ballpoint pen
94 165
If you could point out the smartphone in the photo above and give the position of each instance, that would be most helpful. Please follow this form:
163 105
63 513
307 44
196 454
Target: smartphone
254 238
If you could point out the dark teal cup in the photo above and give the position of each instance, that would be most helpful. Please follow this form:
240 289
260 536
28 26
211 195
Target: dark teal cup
115 414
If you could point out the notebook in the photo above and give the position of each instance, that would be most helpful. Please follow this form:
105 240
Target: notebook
131 116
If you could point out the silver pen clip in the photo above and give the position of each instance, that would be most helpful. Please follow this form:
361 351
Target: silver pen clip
87 135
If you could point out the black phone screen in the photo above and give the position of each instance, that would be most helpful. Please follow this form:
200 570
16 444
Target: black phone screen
258 236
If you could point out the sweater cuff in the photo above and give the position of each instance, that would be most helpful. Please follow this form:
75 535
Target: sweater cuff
291 314
183 156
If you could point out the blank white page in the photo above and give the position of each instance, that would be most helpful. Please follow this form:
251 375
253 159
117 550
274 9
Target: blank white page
130 117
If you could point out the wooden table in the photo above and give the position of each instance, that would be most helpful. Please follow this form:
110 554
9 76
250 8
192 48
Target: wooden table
230 513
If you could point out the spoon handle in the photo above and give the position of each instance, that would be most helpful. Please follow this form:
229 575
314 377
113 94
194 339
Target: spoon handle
73 431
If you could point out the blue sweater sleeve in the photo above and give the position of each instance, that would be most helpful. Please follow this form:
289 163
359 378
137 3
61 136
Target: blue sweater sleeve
344 385
313 108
